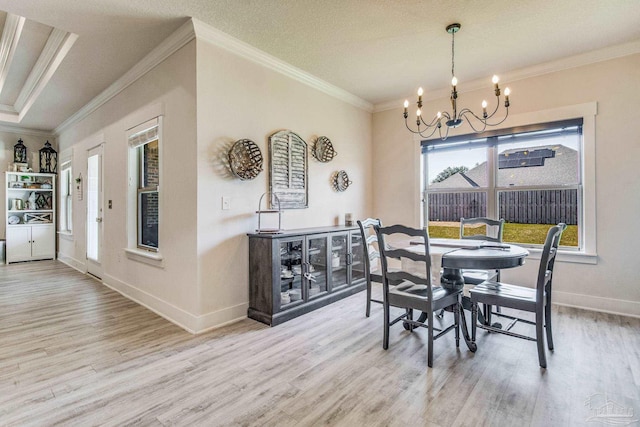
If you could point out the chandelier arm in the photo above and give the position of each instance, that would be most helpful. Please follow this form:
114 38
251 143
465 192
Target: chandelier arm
411 130
446 135
470 123
431 124
431 134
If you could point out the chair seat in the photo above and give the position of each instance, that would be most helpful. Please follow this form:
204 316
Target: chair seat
408 291
475 277
505 295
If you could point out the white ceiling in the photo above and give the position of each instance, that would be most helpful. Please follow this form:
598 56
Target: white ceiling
379 50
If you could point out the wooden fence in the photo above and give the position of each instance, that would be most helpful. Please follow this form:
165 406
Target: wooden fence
523 207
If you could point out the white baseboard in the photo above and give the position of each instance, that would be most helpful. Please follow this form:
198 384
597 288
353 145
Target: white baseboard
220 318
189 322
73 263
605 305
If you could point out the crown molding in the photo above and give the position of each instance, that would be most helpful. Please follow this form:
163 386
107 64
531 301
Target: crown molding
25 131
575 61
11 33
170 45
245 50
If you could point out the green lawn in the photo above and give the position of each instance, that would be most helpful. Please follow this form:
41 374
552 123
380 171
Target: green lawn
519 233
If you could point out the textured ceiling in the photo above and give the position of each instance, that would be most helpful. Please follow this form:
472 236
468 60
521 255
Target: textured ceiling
379 50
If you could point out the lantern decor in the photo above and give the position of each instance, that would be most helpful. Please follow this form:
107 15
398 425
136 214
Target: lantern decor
19 152
48 159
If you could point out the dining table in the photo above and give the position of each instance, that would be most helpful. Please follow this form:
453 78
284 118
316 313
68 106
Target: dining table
452 256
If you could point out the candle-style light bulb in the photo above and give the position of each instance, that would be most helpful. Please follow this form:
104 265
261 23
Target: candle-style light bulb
418 113
406 105
420 91
454 82
495 79
484 104
439 115
507 92
484 108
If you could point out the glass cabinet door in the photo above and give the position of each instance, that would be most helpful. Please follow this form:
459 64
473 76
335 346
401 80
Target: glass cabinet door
357 258
291 278
339 259
316 273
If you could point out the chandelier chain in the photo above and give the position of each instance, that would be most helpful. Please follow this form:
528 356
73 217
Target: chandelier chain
453 54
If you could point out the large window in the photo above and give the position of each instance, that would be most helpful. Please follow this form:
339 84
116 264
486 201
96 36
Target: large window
144 145
66 198
530 176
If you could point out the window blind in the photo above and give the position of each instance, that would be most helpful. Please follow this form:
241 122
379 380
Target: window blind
144 133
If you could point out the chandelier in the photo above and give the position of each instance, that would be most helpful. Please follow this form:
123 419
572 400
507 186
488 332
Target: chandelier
456 118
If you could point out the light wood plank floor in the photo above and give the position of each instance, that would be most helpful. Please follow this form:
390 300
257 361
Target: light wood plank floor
74 352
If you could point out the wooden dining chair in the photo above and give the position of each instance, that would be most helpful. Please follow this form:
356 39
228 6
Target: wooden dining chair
536 300
492 232
414 290
373 269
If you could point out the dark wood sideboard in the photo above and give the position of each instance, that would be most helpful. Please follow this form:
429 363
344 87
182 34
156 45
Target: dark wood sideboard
298 271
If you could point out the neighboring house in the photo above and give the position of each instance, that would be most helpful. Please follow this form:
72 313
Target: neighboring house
546 165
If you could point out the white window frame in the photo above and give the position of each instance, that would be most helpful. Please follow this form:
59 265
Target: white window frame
138 136
587 111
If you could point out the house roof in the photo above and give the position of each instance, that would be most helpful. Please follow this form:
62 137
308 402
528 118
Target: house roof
558 165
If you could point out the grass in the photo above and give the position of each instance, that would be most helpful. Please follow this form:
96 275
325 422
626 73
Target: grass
516 233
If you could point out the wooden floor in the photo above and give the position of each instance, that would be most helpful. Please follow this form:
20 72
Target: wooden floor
73 352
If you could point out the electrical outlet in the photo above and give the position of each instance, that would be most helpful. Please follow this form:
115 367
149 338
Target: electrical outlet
226 204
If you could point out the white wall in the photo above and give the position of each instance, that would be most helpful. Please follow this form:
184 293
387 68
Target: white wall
612 284
34 141
170 89
239 99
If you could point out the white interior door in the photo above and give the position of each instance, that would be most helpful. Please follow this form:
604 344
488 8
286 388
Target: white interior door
94 212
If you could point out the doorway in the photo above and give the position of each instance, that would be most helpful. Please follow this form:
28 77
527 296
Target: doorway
94 211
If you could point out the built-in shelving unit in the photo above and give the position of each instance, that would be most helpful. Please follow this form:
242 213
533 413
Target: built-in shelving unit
31 216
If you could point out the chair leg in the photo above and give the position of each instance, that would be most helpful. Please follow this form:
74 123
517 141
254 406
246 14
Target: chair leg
542 358
430 340
368 298
410 317
547 324
474 319
456 319
385 338
487 314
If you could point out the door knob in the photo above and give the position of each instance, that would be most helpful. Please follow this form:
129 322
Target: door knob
98 219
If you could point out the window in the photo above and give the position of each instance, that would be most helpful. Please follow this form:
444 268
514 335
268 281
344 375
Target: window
144 175
66 198
530 176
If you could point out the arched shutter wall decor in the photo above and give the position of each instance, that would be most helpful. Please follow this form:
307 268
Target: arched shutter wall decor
288 169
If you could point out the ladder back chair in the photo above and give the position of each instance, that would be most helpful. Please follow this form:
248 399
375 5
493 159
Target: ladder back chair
535 300
373 269
413 290
492 231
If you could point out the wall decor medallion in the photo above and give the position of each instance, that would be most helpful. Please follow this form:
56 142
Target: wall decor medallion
288 170
245 159
323 150
341 181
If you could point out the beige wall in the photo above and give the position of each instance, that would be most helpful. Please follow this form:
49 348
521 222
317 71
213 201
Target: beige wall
240 99
204 280
170 88
612 283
